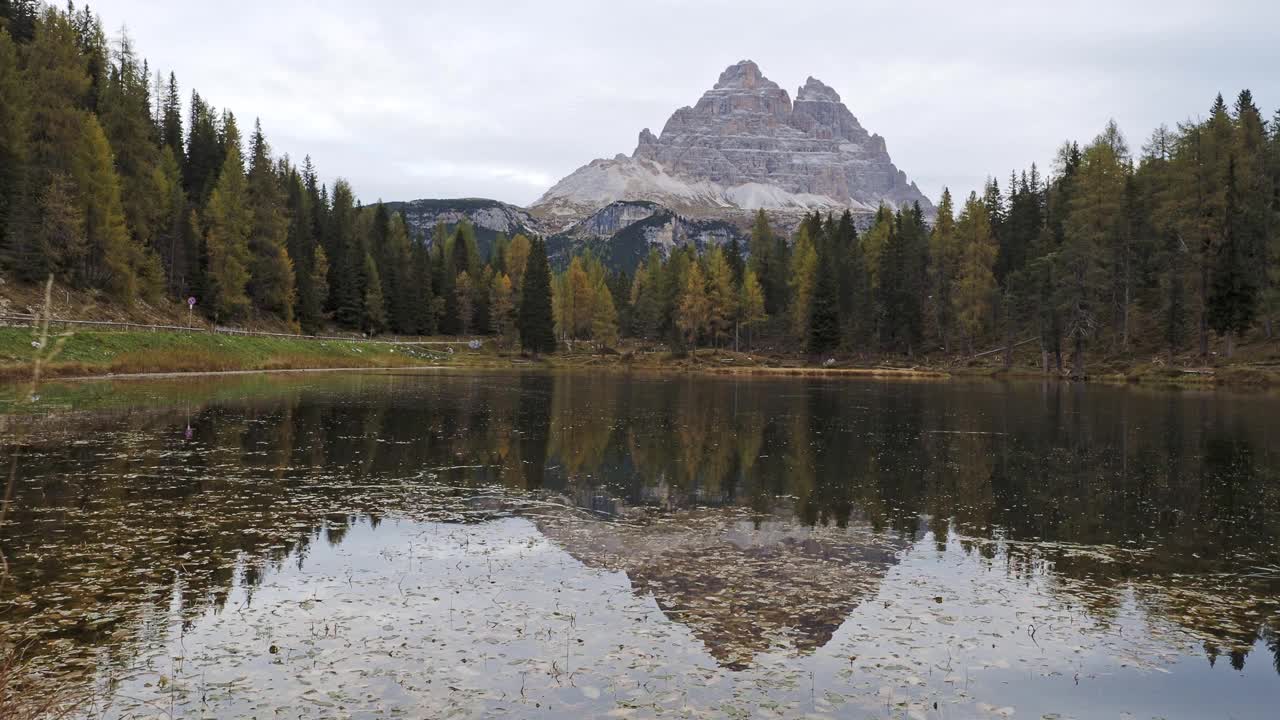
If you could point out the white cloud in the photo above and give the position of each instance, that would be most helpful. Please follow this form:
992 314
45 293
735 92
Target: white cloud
499 99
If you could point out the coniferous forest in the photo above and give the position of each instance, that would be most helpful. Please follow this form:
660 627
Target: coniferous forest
115 178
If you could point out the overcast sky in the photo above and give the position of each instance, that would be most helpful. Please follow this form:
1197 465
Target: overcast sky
472 98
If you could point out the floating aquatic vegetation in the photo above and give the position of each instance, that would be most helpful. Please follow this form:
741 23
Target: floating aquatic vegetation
475 546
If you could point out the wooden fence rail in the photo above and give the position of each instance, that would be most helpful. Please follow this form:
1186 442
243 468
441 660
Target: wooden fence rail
109 324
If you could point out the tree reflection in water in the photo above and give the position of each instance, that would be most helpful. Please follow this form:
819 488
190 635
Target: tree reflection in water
759 513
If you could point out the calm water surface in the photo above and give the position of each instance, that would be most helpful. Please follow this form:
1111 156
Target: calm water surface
563 546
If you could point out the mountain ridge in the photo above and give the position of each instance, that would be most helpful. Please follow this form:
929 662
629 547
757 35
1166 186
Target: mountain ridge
744 146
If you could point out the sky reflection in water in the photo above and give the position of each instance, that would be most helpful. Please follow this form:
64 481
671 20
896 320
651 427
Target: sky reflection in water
567 546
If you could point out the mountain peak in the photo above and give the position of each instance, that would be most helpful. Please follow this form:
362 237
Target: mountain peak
743 74
744 146
814 90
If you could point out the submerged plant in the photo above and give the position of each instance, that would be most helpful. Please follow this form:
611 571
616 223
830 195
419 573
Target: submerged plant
18 701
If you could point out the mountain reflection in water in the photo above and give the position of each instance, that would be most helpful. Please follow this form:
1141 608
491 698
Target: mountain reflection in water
805 525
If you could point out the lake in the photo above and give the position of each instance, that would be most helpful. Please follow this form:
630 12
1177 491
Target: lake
433 545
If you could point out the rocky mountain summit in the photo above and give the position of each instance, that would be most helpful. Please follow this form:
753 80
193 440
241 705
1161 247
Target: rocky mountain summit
745 145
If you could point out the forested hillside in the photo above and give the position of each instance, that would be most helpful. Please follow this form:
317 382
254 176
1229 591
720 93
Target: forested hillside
107 182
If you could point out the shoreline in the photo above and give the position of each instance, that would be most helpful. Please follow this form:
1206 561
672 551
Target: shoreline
13 376
150 355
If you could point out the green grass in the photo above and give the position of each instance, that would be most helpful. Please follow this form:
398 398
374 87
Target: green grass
96 353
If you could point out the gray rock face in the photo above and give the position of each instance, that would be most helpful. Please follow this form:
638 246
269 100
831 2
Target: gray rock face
421 216
744 146
613 217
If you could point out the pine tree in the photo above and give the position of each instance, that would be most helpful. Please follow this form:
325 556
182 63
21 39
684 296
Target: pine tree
751 303
61 226
733 254
205 151
900 282
1232 302
604 317
113 259
125 114
874 242
346 258
320 285
465 291
860 316
501 307
537 334
517 259
299 195
374 317
1256 192
171 132
804 275
824 310
271 273
944 265
975 283
397 272
646 309
722 297
227 224
19 18
56 83
15 234
423 303
769 264
694 311
1094 220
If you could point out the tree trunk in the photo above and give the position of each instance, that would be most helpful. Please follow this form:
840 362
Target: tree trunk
1266 327
1077 358
1204 315
1124 337
1008 338
1231 345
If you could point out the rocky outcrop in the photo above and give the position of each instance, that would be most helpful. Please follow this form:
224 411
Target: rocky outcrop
622 234
488 216
742 147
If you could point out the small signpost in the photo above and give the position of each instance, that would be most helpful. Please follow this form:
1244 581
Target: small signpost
191 306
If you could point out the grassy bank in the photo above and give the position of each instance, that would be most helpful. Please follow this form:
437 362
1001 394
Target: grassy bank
101 353
89 353
1259 368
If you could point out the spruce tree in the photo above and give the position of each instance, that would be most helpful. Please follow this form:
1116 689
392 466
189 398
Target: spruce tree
944 265
733 255
975 258
171 133
271 273
824 311
227 224
768 264
346 258
537 333
204 151
15 235
751 303
113 259
19 18
694 309
804 275
1232 303
423 303
374 317
125 114
1093 221
722 295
